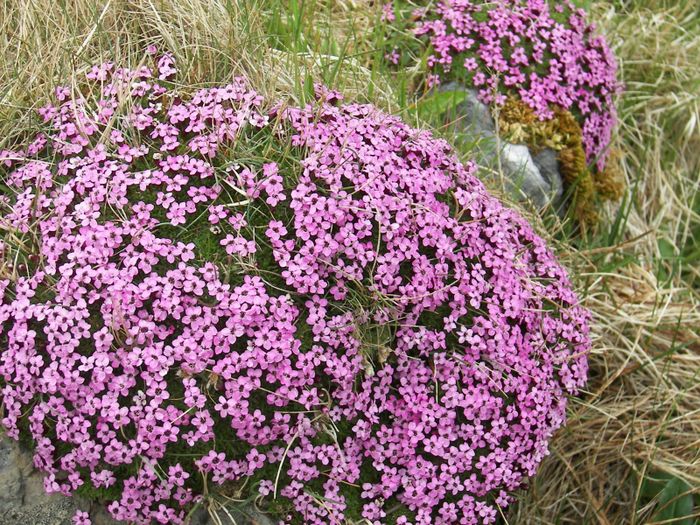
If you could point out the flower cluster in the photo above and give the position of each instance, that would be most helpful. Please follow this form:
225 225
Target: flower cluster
544 52
319 306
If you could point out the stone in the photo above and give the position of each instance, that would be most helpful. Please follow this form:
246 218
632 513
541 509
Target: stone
524 176
547 161
44 510
471 114
10 475
535 178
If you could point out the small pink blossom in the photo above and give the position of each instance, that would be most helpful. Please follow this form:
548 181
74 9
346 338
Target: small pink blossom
187 299
81 518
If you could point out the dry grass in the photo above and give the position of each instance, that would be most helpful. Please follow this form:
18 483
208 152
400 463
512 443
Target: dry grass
641 414
43 44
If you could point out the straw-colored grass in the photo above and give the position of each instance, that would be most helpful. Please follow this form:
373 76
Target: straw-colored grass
640 417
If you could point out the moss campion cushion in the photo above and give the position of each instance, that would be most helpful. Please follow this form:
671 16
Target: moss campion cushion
320 305
539 57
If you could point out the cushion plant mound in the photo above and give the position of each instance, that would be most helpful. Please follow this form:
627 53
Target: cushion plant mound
547 55
540 58
318 307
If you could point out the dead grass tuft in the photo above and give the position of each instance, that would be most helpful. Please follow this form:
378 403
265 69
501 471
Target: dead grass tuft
45 43
641 415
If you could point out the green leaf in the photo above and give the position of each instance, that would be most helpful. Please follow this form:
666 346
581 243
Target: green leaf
674 499
667 249
654 484
439 103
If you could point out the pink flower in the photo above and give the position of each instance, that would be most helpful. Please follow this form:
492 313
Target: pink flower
81 518
184 298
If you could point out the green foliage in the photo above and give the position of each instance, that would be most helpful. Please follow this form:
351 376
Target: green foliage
675 499
439 103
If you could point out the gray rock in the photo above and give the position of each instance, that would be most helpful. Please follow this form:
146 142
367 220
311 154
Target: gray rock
524 176
10 475
537 179
547 162
471 114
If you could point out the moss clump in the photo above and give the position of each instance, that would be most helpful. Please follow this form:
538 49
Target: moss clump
518 123
610 183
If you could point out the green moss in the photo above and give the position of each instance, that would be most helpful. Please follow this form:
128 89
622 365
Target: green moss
584 184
